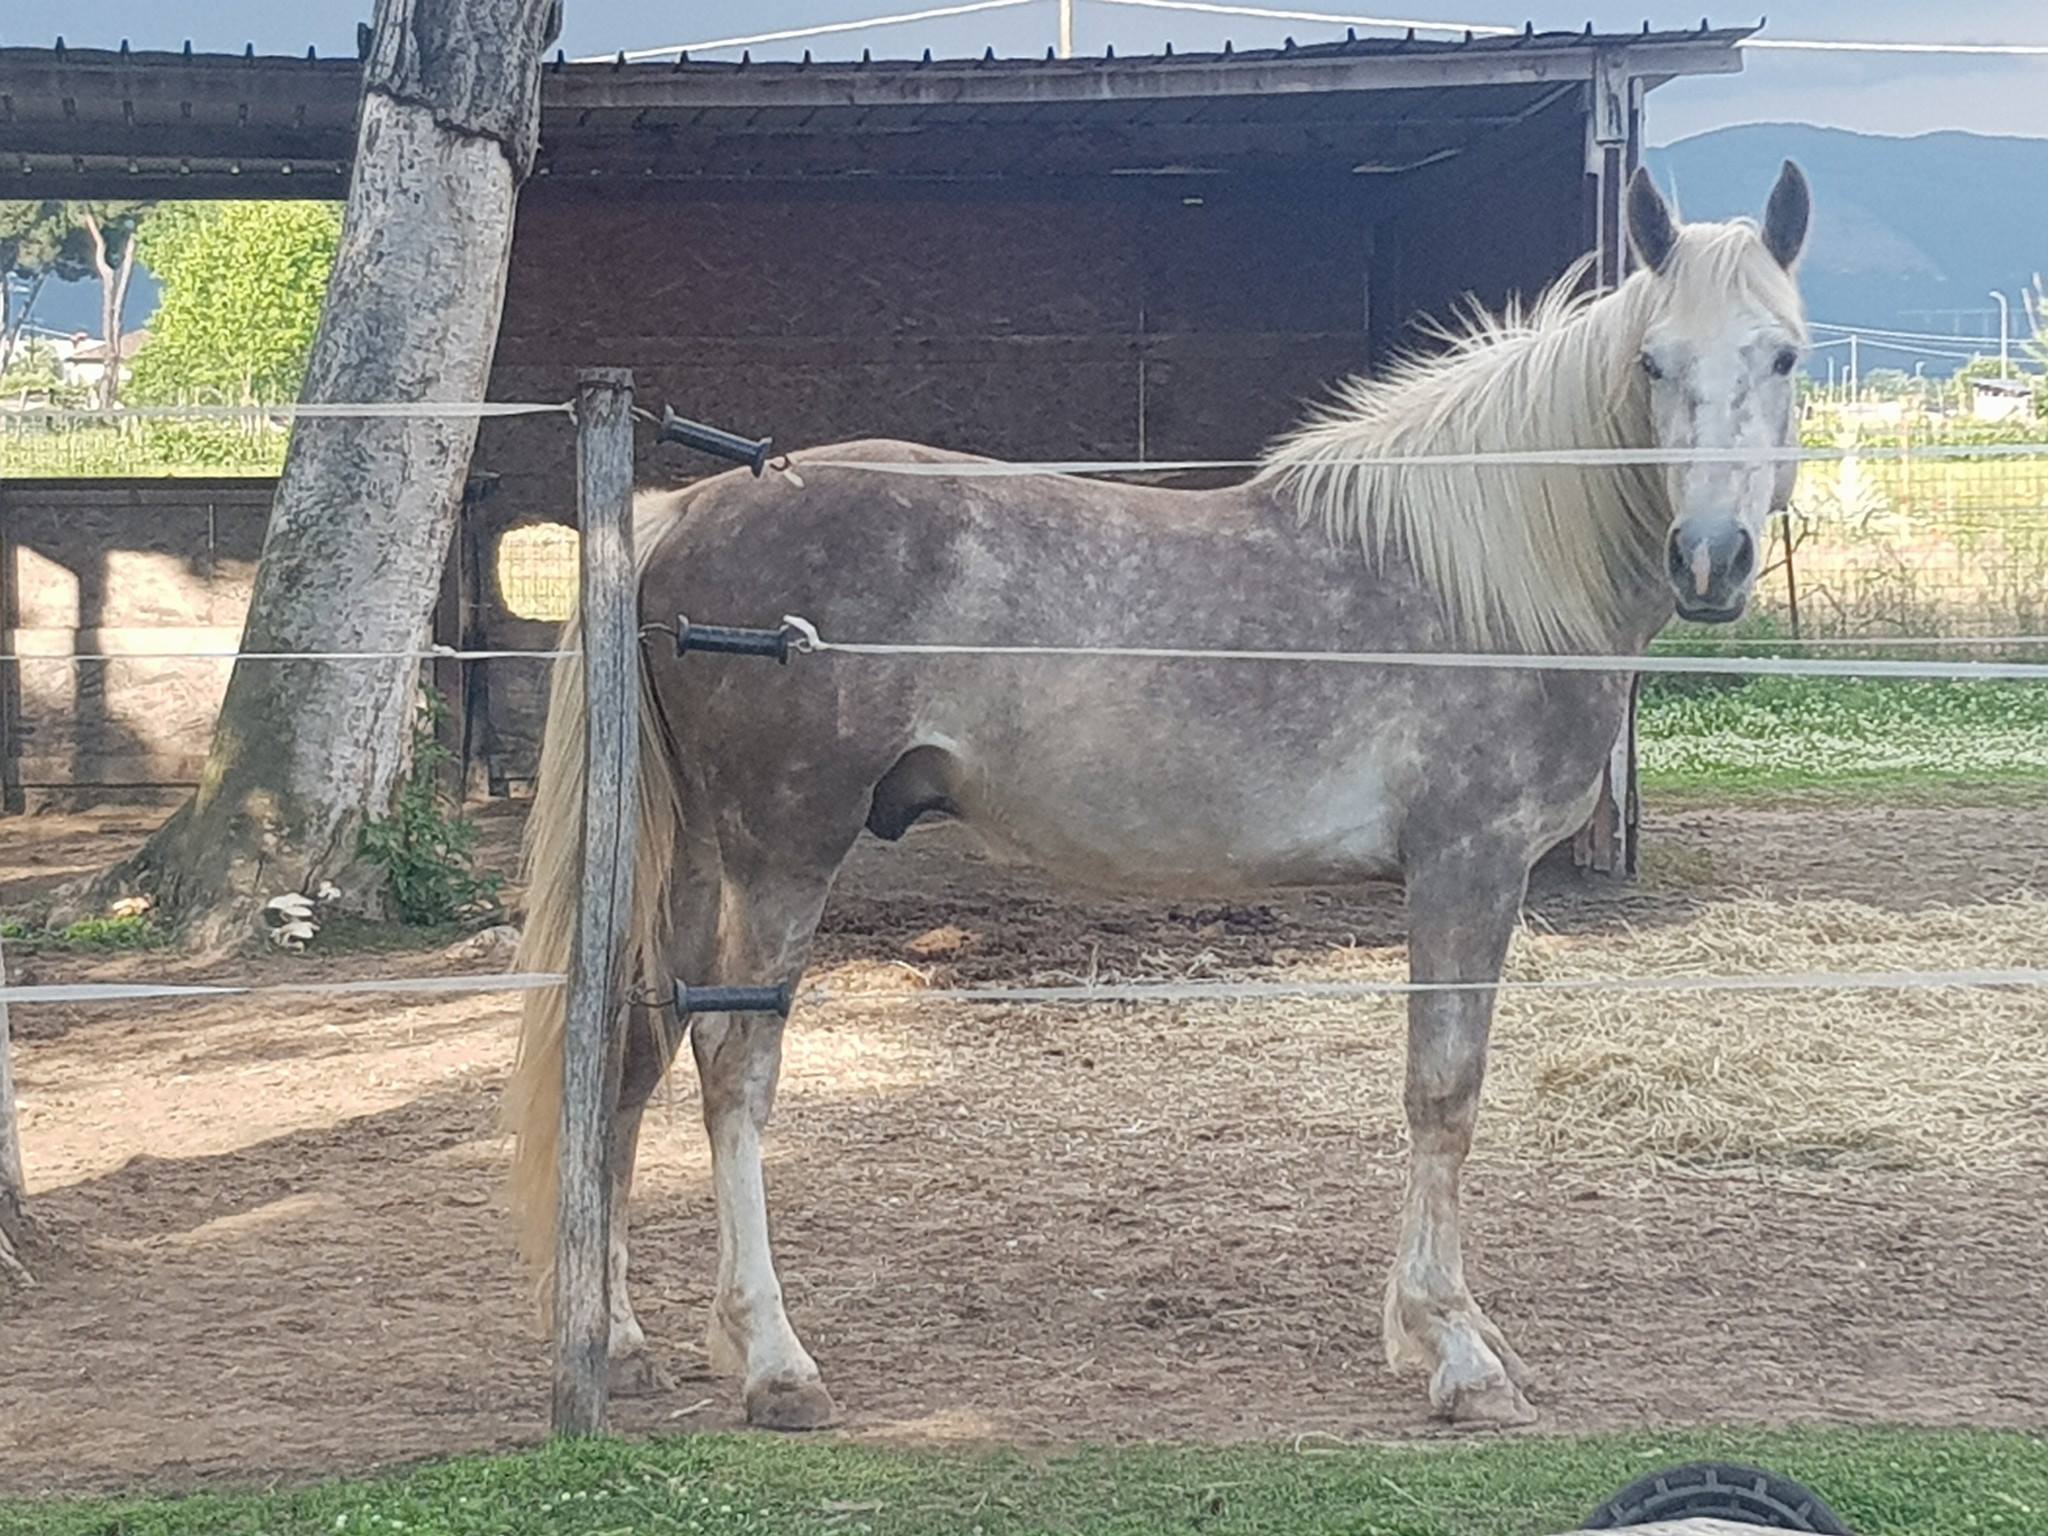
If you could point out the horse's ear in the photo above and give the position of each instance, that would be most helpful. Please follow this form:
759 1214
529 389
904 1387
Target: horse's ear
1787 214
1651 229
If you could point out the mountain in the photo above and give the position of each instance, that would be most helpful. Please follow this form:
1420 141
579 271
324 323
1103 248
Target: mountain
1909 234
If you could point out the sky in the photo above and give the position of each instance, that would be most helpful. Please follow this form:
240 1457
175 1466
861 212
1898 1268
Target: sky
1873 94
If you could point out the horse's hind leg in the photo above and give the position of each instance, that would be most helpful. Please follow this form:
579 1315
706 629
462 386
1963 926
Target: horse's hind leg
1461 916
634 1371
769 914
652 1038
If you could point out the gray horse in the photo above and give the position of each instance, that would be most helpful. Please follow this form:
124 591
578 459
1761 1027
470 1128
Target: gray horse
1210 778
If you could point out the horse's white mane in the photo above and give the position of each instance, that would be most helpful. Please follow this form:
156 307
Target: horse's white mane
1524 556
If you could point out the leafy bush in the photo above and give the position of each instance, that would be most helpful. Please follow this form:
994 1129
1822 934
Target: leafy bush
425 847
131 932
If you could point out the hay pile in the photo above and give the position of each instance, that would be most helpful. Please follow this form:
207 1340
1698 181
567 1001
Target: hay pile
1953 1079
1949 1078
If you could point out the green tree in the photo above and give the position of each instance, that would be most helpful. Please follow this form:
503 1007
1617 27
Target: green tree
33 373
242 288
38 241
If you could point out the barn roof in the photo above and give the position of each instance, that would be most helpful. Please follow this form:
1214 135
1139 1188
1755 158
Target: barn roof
107 123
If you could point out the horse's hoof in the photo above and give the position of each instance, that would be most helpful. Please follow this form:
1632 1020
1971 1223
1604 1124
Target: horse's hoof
639 1375
788 1403
1494 1402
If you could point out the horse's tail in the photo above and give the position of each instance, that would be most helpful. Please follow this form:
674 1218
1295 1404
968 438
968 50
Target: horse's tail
554 863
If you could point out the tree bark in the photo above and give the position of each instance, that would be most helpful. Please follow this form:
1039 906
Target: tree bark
303 752
113 299
110 381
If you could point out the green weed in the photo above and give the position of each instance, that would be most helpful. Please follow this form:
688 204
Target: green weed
426 847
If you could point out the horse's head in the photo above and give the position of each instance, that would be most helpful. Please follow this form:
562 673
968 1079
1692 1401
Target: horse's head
1724 335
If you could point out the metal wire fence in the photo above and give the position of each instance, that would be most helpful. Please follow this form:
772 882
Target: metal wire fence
189 438
1905 545
39 447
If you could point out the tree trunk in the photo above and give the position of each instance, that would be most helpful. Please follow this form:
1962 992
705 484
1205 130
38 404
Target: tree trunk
303 752
13 1186
117 305
110 311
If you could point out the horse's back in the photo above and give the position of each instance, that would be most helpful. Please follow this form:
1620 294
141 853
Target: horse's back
1179 774
854 529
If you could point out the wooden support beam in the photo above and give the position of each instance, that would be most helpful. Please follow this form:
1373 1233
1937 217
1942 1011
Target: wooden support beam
591 1054
1607 844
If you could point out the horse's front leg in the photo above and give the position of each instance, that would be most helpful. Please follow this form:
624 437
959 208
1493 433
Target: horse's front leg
1462 912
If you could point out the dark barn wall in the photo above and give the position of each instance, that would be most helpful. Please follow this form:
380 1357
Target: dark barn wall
1107 317
139 566
1454 230
1080 319
91 566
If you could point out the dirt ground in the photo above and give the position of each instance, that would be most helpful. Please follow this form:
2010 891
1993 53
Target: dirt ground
277 1251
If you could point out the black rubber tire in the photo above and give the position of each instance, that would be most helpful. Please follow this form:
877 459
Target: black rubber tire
1722 1490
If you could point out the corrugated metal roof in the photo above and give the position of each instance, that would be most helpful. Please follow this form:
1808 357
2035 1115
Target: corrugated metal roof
77 122
1529 40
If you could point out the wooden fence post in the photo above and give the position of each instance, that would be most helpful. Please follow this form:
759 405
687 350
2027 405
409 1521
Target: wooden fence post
590 1059
13 1186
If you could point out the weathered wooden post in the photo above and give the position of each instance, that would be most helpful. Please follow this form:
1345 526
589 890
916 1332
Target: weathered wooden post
591 1056
13 1185
1608 843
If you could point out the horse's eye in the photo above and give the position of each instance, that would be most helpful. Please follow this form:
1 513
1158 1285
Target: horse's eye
1784 362
1650 367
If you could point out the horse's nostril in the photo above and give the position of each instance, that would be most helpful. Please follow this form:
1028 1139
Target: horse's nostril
1745 556
1680 566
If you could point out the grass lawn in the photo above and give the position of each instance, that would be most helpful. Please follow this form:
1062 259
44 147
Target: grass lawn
1774 735
1883 1482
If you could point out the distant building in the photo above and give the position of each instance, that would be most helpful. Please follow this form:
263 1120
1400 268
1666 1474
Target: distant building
82 359
1874 413
2002 399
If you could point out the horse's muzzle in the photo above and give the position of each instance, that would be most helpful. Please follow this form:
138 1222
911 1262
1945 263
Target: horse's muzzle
1712 572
